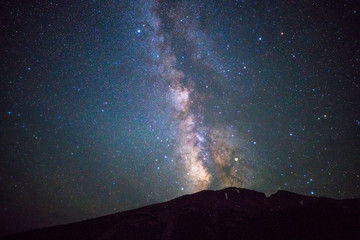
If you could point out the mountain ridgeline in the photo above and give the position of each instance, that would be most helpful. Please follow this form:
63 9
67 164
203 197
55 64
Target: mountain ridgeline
231 213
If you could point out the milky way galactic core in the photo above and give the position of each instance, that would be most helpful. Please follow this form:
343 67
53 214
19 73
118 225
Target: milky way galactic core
204 152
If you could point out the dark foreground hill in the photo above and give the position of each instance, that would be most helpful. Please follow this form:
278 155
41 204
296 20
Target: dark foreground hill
231 213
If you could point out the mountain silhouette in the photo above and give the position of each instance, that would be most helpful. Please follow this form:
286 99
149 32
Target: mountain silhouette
231 213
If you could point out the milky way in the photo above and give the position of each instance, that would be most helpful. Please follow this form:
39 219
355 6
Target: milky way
205 155
112 105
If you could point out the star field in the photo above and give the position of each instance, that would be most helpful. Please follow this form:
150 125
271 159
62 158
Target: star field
112 105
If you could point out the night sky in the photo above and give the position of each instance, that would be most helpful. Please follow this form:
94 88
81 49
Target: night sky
111 105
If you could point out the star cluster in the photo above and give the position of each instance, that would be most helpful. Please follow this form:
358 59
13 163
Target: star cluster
112 105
